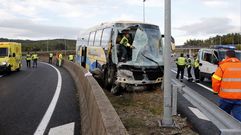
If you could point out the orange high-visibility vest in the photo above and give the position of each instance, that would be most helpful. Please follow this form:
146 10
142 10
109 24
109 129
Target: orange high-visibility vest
226 81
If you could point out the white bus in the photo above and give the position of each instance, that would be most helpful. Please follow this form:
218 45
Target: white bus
97 49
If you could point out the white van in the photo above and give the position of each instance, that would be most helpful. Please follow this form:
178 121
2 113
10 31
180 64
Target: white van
209 59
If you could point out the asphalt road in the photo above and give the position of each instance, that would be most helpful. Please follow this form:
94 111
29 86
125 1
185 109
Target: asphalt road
202 124
26 95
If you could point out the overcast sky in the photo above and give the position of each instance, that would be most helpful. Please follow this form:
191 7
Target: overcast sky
48 19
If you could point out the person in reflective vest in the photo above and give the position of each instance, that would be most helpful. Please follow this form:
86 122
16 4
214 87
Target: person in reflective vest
71 58
226 82
181 63
35 59
28 60
50 57
196 69
124 43
60 58
189 67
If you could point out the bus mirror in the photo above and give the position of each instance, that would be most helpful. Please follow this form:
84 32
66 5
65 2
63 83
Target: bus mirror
14 54
10 55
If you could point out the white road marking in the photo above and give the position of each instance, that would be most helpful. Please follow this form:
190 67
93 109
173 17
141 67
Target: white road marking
67 129
198 113
196 83
45 120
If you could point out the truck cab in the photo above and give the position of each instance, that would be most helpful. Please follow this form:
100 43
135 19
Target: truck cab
10 56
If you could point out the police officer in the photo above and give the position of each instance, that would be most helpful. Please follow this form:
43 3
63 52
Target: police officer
189 67
28 60
35 59
50 57
226 82
60 58
71 58
181 63
196 68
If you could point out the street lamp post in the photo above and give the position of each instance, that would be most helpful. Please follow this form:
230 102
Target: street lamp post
167 115
144 10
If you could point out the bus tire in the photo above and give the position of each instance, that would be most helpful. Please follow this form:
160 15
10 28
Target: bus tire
109 74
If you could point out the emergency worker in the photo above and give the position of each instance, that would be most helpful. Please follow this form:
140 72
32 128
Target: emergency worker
196 68
28 60
189 67
51 57
35 59
181 63
226 82
124 43
60 58
71 58
57 58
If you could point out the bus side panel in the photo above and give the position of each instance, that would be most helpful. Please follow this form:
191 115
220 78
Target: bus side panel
95 58
78 55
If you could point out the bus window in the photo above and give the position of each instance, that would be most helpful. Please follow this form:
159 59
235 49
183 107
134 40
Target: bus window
98 38
106 37
91 39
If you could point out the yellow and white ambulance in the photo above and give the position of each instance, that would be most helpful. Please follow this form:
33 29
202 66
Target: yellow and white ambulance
10 56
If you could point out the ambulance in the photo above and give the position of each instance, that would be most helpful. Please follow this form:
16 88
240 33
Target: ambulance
210 57
10 56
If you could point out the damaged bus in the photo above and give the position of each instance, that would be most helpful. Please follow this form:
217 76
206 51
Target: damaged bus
98 50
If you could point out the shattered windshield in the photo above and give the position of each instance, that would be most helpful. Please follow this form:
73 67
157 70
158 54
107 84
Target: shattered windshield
3 52
146 47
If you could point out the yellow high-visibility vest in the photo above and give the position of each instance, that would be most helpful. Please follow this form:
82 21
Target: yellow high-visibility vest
181 61
60 56
71 57
51 55
35 56
28 57
196 63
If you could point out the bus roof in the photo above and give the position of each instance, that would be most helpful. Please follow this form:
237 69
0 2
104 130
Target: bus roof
109 24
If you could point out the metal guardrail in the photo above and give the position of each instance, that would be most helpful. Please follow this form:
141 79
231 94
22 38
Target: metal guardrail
225 123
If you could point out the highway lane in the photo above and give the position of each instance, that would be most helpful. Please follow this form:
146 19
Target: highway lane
199 121
26 95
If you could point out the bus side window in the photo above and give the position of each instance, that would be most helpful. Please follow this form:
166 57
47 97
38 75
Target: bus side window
105 38
98 38
91 39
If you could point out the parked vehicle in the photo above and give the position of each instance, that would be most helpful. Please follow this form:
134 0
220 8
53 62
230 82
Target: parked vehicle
209 59
10 56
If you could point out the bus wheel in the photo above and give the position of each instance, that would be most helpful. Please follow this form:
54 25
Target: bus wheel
109 77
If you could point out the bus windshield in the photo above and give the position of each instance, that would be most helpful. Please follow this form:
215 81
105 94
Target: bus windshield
3 52
146 51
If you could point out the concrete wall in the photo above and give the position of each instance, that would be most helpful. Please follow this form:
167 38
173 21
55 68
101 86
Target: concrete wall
98 117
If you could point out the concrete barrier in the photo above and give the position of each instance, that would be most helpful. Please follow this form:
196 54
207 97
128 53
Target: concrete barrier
98 117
